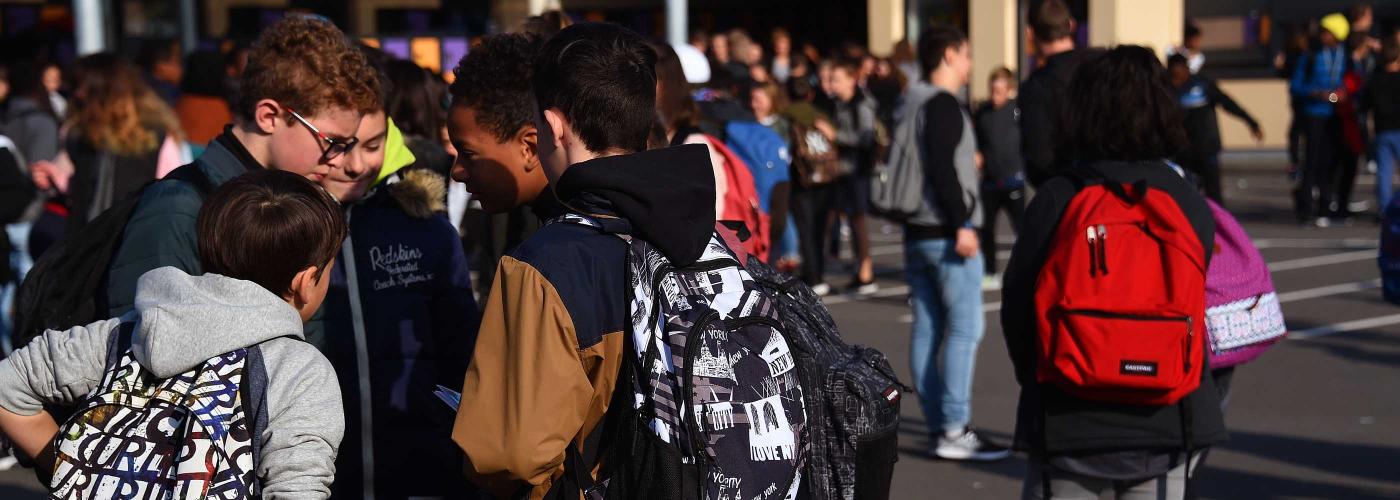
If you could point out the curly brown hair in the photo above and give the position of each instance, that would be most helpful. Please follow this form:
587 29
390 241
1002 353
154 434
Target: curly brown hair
308 64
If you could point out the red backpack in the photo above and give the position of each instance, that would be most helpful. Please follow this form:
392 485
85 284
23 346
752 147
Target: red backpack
741 200
1120 303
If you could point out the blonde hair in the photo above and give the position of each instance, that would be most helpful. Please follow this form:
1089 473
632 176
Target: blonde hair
117 111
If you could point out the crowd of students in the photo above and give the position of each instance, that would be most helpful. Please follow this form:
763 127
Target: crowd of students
305 253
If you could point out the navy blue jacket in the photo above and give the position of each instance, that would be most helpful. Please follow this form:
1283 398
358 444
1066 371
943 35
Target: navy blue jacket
400 320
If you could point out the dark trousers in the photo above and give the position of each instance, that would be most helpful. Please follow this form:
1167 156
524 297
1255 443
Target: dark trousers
1013 201
1324 145
1345 180
779 203
810 206
1207 167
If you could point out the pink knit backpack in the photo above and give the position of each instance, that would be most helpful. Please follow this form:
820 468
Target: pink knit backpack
1243 317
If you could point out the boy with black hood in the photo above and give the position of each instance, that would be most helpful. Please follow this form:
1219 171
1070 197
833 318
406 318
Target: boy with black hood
551 337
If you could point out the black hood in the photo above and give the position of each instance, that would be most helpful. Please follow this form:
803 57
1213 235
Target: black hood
667 195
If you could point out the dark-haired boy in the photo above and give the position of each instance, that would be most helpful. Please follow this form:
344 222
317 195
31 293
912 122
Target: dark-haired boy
276 406
943 263
1198 97
551 337
1051 26
302 95
491 125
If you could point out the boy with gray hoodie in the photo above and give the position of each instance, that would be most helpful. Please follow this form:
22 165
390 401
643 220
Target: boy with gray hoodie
207 386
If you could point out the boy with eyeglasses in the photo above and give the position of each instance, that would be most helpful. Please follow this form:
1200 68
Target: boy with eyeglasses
301 99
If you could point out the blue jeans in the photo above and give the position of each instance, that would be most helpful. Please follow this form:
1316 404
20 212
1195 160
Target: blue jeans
947 297
1387 153
21 261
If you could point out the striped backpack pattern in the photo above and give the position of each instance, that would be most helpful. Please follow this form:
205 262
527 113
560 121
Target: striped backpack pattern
139 436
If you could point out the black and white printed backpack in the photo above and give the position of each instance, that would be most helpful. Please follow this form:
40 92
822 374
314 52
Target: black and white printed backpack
139 436
710 405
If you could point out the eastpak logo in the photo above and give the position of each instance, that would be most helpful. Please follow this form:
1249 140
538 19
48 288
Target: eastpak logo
1139 368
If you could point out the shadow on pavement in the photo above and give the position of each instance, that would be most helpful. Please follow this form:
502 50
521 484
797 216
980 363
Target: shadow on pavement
1364 346
1360 461
1229 483
1379 463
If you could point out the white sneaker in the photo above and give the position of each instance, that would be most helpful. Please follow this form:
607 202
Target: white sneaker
8 462
968 445
821 289
991 282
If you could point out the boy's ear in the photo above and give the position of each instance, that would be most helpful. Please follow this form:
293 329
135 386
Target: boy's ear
528 140
303 286
557 125
265 115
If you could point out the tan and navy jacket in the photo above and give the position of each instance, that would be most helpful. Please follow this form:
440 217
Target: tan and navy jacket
551 337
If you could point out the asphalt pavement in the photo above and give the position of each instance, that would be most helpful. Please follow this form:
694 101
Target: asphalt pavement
1318 416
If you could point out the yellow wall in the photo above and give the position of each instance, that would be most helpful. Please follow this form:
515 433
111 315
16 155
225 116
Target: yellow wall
992 32
886 25
1267 101
1153 23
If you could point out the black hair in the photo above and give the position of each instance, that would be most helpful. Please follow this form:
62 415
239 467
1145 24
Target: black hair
675 107
269 213
934 44
204 74
378 60
494 81
1192 31
1121 107
602 77
27 80
1177 59
1050 20
416 102
156 51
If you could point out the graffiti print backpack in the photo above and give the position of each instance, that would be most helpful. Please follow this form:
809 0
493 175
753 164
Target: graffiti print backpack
1120 302
1243 317
139 436
709 404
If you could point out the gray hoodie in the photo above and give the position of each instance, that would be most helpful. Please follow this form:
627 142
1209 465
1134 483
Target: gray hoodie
183 321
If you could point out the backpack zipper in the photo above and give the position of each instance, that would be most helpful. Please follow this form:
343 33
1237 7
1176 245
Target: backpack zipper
1093 250
1103 249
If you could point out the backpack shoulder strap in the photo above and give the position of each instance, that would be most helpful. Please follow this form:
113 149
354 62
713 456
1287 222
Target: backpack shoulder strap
193 175
126 331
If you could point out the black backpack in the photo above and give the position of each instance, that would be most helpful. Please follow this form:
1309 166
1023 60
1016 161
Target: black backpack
67 286
852 396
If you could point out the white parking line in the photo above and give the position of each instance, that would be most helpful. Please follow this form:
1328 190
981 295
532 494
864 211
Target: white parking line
1283 298
1321 260
1325 291
1347 243
1345 326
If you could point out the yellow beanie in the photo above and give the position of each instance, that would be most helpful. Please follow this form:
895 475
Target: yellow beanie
1337 24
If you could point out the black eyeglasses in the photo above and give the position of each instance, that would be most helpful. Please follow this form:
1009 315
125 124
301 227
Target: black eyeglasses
334 147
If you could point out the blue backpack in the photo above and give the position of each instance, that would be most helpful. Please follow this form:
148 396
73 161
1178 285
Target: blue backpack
765 153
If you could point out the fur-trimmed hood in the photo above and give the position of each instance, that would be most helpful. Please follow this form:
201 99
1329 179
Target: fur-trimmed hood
419 192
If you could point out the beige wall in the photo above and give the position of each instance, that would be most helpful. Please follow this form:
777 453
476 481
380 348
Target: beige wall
1267 101
992 31
1153 23
886 25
